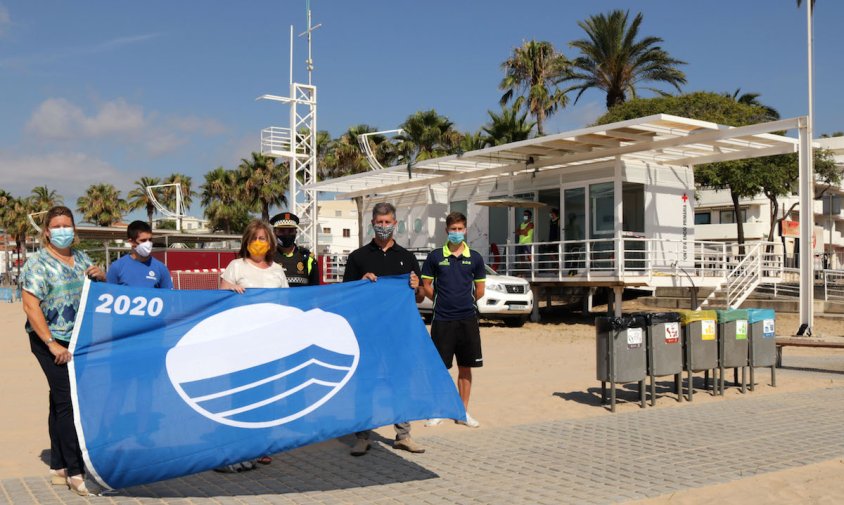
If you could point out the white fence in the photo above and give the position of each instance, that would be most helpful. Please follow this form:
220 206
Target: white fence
639 257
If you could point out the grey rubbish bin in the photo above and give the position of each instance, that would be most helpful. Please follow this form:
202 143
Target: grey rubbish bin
700 345
664 349
762 342
620 351
732 346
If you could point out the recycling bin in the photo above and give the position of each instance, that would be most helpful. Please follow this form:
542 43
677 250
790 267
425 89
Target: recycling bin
664 349
620 350
732 345
762 342
700 344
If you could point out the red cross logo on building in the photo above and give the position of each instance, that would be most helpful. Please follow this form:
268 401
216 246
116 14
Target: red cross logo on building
685 198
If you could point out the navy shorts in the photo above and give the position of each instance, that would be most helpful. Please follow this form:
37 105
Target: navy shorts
458 338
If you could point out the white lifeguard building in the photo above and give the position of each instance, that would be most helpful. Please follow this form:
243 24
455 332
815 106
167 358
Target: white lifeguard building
625 193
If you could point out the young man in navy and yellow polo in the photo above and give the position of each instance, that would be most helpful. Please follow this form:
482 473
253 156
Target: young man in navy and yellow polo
299 264
453 277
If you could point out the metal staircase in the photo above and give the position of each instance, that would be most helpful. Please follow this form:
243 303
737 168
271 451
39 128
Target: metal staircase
742 279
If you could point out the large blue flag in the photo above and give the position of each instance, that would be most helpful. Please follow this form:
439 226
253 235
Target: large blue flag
169 383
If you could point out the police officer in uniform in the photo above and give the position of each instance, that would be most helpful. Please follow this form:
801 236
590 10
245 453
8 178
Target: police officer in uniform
300 265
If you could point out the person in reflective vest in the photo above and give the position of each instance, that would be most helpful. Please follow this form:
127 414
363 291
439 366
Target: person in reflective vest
525 236
300 265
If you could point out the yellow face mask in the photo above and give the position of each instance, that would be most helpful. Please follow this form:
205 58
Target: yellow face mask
258 248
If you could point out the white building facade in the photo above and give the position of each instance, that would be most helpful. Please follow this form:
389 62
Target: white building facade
338 226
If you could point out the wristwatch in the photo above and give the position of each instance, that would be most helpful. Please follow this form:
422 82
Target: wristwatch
49 340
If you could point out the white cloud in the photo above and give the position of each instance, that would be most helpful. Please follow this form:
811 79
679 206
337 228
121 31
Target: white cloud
5 20
59 119
68 173
119 120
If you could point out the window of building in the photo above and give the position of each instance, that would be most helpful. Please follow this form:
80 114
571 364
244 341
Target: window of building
327 231
703 218
347 232
729 216
338 213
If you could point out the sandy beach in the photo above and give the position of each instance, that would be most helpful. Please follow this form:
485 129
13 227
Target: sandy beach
543 371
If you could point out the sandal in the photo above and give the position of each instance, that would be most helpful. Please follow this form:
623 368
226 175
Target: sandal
58 477
76 484
265 460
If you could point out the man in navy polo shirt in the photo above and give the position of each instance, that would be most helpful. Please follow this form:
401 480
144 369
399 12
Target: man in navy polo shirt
138 268
454 278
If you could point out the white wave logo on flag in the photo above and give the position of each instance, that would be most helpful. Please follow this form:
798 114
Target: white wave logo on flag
264 364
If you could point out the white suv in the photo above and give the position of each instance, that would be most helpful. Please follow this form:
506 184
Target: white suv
505 297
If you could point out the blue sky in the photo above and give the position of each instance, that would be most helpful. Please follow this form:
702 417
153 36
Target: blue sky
105 91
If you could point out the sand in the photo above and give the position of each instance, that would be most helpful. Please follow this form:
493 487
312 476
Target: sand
549 367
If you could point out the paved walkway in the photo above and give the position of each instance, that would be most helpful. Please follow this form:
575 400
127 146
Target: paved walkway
606 459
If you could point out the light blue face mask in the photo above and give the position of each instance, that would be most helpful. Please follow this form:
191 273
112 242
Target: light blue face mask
61 237
456 237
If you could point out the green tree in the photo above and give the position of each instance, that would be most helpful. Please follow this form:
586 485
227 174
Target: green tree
532 72
262 183
773 176
5 198
426 135
347 157
16 221
509 126
139 198
771 114
614 61
473 141
43 198
224 208
101 205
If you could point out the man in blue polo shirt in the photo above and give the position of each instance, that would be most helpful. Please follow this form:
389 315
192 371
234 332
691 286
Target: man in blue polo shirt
454 278
138 268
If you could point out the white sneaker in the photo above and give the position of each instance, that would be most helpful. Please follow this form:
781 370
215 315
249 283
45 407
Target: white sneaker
470 422
433 422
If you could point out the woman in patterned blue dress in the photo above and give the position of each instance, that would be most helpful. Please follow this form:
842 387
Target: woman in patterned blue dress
52 282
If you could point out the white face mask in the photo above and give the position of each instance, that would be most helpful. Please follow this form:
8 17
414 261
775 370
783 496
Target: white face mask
144 249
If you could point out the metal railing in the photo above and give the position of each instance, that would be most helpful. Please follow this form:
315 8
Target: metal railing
630 257
829 285
639 258
275 139
743 279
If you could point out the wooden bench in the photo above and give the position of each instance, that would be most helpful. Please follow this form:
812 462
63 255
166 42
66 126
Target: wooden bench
803 342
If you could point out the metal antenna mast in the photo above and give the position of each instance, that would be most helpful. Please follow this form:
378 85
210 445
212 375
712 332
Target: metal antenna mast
298 143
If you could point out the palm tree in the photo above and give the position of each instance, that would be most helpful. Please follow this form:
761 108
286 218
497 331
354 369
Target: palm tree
169 194
224 208
426 135
5 197
139 197
101 205
509 126
533 71
770 113
44 198
472 141
613 60
263 183
16 222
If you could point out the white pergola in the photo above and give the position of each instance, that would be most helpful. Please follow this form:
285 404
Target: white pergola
659 139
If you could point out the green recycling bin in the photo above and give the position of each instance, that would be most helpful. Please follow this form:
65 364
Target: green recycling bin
664 349
620 351
700 344
732 345
762 342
